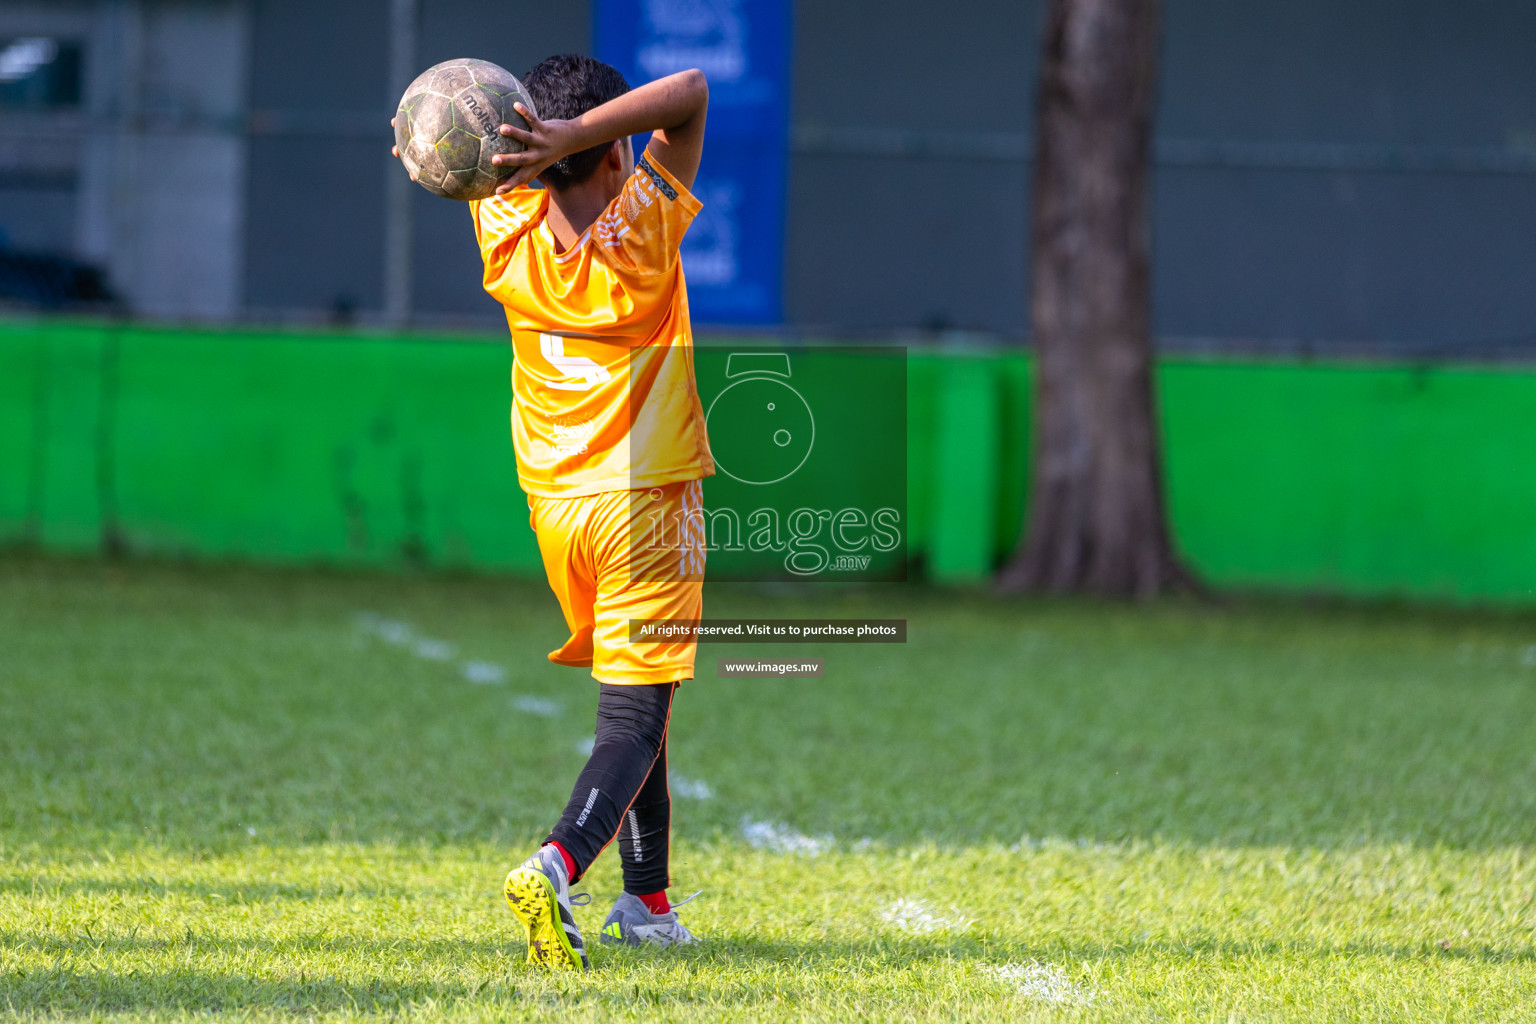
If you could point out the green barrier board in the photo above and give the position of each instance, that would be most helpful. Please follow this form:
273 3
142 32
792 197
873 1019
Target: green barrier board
352 449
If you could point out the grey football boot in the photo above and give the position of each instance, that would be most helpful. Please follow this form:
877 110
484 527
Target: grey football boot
631 923
539 894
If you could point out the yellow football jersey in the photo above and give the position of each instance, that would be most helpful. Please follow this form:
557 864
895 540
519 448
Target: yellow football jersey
603 391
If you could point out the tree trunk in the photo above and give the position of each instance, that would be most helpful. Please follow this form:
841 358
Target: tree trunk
1096 522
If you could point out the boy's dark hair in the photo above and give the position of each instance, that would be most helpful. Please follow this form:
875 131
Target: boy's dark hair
568 85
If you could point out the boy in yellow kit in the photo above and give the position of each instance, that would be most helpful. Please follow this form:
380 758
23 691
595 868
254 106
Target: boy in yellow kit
610 439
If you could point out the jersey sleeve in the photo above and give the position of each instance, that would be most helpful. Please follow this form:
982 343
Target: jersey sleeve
641 230
501 221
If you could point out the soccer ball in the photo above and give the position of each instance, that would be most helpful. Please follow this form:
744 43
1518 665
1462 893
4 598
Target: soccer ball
446 126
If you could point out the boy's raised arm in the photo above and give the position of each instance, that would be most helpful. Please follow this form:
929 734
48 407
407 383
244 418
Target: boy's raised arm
672 108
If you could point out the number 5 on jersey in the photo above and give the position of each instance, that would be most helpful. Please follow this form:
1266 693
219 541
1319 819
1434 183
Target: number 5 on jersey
590 372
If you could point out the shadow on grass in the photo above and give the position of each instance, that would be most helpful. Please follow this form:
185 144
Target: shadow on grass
78 982
231 893
65 991
83 946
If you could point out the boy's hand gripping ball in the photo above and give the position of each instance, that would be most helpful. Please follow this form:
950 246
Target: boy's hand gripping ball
446 127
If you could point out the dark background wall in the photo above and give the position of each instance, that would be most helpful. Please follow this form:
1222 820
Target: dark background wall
319 117
320 92
1330 173
1371 178
908 179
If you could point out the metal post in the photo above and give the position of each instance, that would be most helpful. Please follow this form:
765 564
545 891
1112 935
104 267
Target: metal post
398 187
124 260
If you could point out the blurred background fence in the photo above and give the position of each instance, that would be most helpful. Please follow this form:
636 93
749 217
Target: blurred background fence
394 452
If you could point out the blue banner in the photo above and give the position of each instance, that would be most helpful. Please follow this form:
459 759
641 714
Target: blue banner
733 255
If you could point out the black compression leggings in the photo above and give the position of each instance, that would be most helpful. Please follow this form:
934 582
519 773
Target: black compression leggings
622 792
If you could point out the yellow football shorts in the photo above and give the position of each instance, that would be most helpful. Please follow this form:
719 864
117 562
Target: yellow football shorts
621 555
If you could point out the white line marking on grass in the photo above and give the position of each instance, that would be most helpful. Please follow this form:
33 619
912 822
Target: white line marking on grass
400 634
483 673
781 838
692 789
539 706
433 650
1496 654
584 746
388 630
1046 983
919 917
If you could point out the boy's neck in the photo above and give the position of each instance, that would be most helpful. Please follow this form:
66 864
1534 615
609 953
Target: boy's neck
573 210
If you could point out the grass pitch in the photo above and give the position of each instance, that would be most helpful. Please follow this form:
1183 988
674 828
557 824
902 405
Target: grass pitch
264 795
